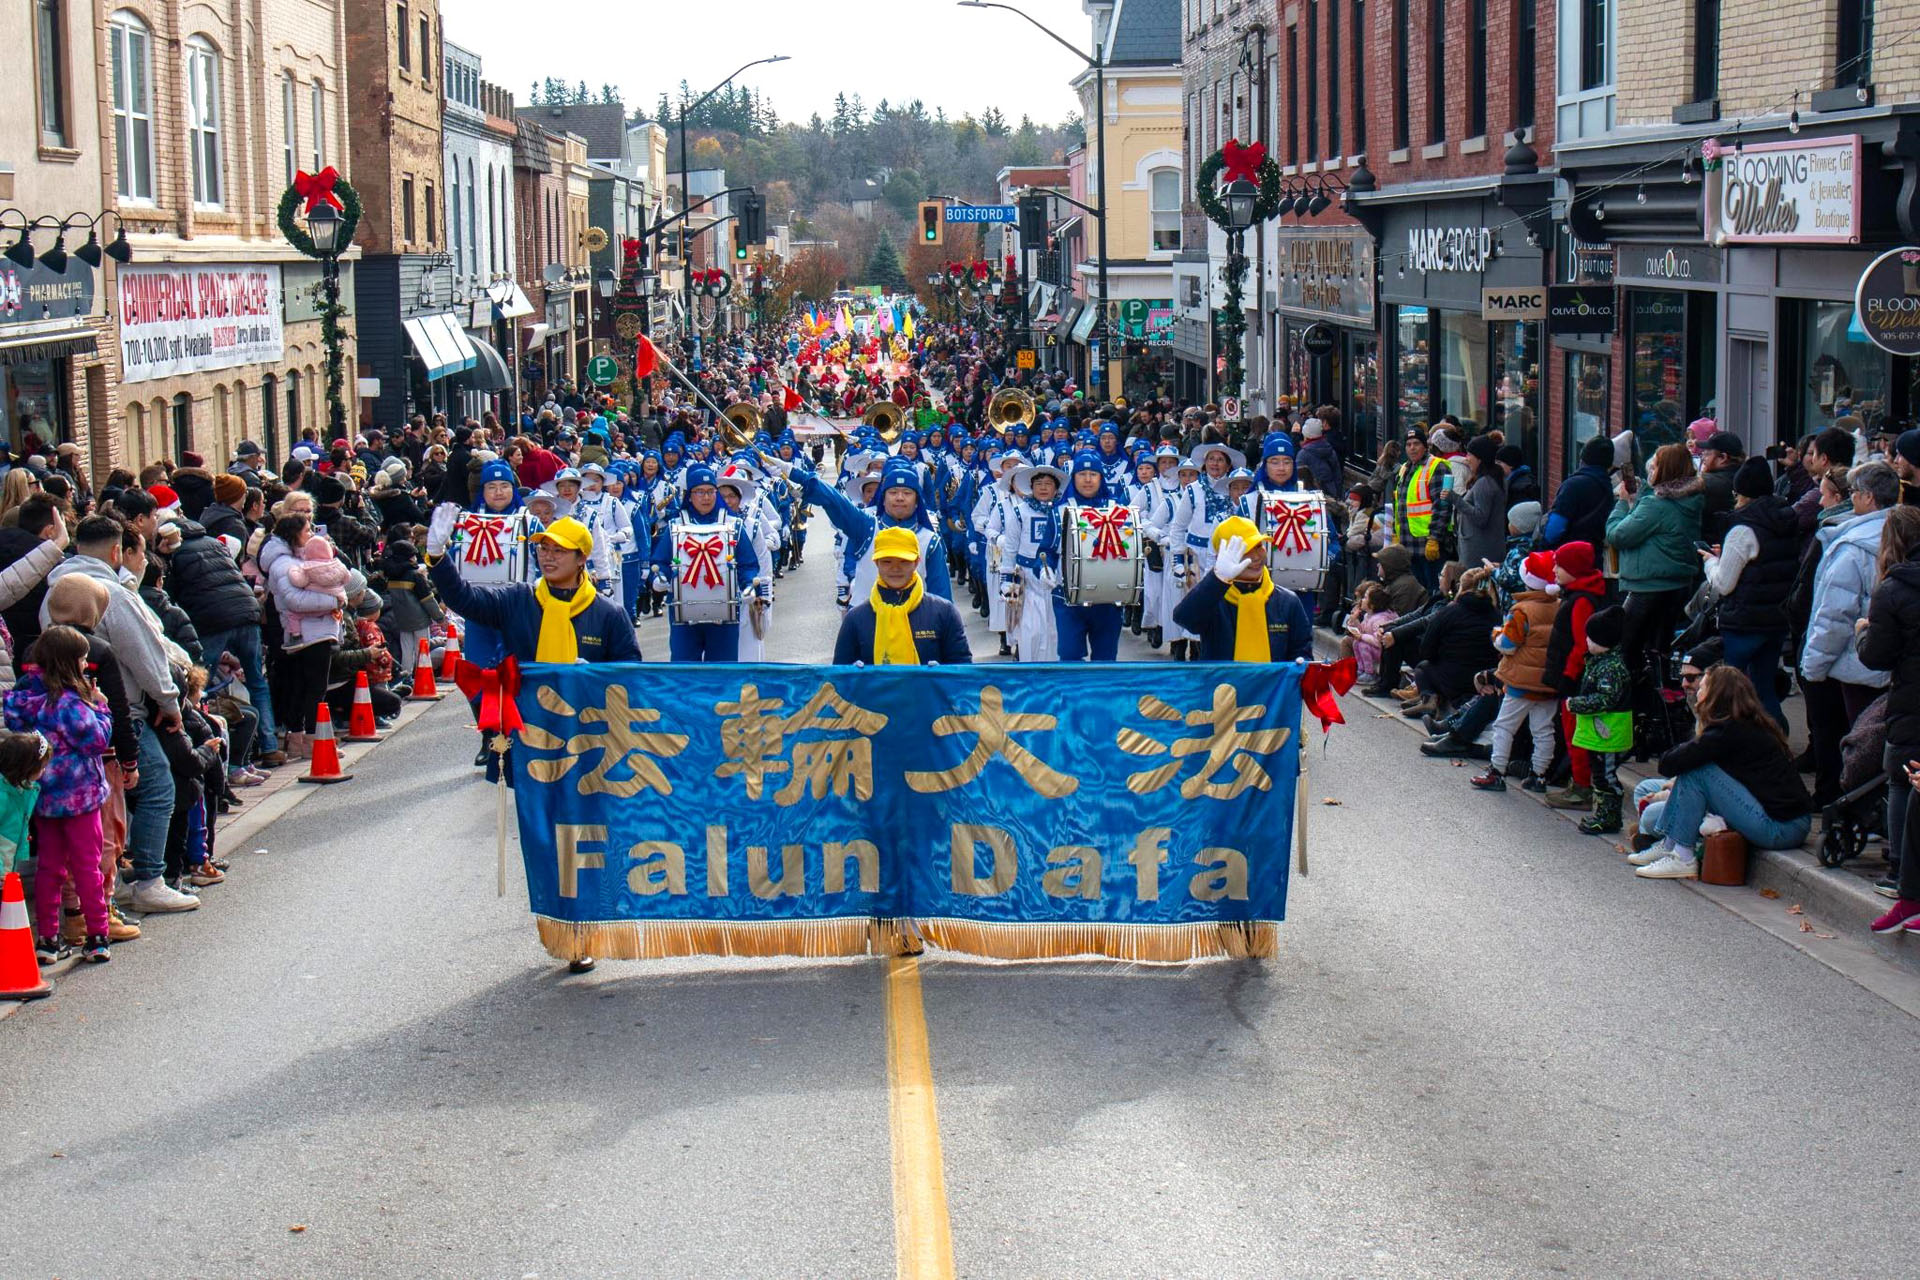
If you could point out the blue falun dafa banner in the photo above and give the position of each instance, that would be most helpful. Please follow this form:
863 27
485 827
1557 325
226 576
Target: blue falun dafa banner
1142 812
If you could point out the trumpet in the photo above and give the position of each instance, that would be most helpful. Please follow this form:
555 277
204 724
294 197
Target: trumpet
887 418
1009 407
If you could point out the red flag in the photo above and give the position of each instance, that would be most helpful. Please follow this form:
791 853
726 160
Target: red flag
790 399
645 358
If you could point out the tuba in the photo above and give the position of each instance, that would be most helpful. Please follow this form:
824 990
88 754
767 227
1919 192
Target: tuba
1010 407
739 425
885 417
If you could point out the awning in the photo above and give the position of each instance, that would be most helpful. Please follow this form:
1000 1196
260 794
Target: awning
427 348
1084 324
1067 228
1068 315
442 347
453 340
537 333
509 300
46 340
489 372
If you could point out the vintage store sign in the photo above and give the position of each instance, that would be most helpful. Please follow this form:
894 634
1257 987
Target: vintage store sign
1528 302
1327 276
177 319
1784 192
1887 301
1449 248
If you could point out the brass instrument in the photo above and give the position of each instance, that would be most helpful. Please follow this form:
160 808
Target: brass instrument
743 417
1010 407
887 418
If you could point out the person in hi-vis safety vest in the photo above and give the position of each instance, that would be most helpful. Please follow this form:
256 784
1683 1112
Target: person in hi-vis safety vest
1420 487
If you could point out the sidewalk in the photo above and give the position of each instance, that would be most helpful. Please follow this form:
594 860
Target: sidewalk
1787 892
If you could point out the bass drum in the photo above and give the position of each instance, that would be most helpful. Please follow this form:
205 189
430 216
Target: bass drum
705 588
1103 555
1300 550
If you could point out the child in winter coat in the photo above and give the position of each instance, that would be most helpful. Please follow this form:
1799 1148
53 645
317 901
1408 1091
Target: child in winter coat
1531 696
23 757
410 607
1365 623
1582 591
315 567
57 698
1603 716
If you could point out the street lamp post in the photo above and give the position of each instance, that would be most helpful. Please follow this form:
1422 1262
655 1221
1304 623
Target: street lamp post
1098 62
686 193
1240 198
323 227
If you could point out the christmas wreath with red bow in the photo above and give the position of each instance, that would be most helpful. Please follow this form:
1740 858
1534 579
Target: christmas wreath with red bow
1233 162
309 190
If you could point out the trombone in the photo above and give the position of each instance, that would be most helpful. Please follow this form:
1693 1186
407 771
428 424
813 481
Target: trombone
739 425
887 418
1010 407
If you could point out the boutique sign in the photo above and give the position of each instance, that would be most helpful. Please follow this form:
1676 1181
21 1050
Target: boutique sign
1784 192
1887 301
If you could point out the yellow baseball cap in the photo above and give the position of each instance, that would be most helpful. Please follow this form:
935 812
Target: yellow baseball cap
1238 527
569 533
896 543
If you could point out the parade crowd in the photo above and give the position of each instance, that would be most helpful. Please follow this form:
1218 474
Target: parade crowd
172 636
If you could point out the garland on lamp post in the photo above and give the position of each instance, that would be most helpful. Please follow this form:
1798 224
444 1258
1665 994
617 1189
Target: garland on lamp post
328 187
1234 162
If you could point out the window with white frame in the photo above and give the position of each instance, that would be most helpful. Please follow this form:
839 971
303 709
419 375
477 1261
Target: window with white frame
454 245
203 120
319 126
290 125
50 56
1164 190
130 47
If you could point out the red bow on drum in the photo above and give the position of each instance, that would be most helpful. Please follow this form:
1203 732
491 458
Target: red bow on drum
317 188
496 688
1107 523
703 561
1290 524
483 546
1243 162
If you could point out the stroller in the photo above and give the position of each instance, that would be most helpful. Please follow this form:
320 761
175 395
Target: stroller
1861 811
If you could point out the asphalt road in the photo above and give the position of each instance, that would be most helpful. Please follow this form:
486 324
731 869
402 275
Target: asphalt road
1485 1050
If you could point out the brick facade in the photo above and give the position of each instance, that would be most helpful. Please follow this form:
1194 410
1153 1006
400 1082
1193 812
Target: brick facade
397 108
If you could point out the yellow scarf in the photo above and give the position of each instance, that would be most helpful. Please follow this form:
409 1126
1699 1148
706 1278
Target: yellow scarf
557 641
892 631
1251 640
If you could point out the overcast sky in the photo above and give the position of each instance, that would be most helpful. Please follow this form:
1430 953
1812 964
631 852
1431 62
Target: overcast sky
964 60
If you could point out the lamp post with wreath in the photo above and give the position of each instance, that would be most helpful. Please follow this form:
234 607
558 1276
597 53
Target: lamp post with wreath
1251 195
331 215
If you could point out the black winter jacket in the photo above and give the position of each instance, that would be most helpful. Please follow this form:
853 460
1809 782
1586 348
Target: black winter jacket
1758 601
208 583
938 633
106 674
1717 517
174 622
23 616
1458 643
1753 758
195 488
222 521
1891 642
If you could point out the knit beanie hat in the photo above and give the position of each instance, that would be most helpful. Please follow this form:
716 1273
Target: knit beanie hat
1606 627
1525 518
1575 557
1537 572
229 490
1313 428
1908 446
1754 479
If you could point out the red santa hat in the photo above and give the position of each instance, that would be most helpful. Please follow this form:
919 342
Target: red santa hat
1537 572
164 495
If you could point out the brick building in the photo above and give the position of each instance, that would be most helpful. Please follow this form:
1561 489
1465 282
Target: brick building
412 344
1748 168
59 365
540 226
478 156
205 112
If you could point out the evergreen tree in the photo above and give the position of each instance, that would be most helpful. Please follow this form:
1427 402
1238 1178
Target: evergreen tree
883 266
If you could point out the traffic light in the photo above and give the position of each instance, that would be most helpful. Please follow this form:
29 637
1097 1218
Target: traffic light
739 242
1033 221
753 217
932 222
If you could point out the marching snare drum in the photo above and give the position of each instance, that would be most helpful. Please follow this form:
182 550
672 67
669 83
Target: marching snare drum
1103 557
704 583
491 549
1296 521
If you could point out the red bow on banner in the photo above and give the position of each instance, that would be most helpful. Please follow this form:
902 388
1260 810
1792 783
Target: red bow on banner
1321 687
1107 523
496 687
483 539
1243 162
703 561
316 188
1290 523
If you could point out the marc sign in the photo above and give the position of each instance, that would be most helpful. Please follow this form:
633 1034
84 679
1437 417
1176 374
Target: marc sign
1527 303
1887 301
1784 192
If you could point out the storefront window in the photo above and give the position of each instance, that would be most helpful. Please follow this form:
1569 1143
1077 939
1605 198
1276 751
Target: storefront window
1461 338
1657 343
1586 385
1845 374
1364 362
34 402
1297 377
1411 367
1516 382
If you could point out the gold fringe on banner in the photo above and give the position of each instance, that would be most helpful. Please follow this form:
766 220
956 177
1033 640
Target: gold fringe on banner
659 939
1151 943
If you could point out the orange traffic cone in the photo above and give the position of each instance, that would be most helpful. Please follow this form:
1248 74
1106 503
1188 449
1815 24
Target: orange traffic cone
325 766
19 972
424 689
360 725
450 656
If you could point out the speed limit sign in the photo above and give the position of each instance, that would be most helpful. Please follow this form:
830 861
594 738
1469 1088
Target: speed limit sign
1026 358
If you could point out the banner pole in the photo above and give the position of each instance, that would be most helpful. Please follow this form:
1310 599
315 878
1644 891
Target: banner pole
1300 802
500 820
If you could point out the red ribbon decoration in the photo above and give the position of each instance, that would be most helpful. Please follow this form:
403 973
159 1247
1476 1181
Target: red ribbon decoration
1290 521
703 561
483 540
1243 162
1321 687
496 687
1107 522
317 188
979 271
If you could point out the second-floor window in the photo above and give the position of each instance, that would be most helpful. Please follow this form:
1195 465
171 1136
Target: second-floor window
1359 29
1333 80
1477 70
1313 81
1402 74
289 125
319 126
433 210
1164 192
403 48
406 209
1853 50
1596 44
1436 71
203 120
426 52
131 46
50 59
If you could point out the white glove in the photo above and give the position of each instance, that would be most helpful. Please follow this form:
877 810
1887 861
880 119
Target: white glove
1231 560
660 583
779 466
1048 579
1007 588
440 528
763 589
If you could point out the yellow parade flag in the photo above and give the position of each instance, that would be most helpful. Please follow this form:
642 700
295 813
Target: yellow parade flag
846 321
906 329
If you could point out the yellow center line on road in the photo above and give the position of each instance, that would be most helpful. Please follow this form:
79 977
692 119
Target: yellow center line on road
922 1236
